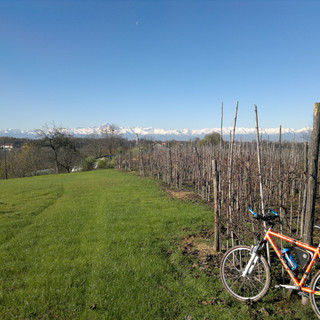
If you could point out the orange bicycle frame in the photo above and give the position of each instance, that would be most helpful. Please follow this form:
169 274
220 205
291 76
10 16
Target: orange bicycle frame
315 251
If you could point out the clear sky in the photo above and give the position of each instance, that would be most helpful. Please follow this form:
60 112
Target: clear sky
162 64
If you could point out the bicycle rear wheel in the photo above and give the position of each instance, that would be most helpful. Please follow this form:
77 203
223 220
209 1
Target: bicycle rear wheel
252 287
315 299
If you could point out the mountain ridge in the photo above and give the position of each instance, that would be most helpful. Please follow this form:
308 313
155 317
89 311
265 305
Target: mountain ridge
245 134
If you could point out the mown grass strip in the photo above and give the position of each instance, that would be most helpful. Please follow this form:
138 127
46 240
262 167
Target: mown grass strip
93 239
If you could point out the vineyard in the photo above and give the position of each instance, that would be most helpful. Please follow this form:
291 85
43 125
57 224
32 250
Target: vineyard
192 166
232 176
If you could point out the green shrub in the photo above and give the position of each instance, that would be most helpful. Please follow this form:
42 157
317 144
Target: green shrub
89 163
105 164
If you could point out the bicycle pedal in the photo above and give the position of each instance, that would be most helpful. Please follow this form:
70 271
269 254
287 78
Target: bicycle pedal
303 294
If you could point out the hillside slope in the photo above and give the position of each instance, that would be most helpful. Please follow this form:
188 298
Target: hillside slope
105 245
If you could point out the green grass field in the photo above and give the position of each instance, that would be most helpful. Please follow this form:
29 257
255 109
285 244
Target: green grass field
104 245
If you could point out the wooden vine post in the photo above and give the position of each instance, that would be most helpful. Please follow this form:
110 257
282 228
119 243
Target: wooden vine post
312 176
215 176
141 167
305 173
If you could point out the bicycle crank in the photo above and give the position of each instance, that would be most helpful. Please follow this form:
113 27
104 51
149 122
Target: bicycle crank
285 286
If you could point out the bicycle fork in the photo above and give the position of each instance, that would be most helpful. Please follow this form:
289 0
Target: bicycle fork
253 260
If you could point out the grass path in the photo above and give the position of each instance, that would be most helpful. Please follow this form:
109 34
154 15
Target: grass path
101 245
100 239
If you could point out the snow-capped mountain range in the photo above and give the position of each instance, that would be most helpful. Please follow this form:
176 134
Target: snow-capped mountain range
246 134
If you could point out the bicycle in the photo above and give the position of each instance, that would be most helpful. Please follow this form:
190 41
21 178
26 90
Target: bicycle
245 273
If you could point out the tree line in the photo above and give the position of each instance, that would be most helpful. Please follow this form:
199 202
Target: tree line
57 151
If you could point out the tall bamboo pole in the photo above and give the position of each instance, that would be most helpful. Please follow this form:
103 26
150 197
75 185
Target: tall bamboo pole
259 162
280 194
260 177
221 129
280 181
230 172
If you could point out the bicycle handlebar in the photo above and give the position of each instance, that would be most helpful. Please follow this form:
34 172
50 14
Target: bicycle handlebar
264 218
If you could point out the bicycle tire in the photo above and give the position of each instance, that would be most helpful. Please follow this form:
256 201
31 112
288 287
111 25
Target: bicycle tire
315 299
253 287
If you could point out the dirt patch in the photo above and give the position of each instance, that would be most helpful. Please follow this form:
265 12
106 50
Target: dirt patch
182 194
204 256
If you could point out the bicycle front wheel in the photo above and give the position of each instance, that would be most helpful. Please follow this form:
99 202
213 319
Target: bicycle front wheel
315 299
252 287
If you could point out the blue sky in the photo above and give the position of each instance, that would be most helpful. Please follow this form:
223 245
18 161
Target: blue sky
162 64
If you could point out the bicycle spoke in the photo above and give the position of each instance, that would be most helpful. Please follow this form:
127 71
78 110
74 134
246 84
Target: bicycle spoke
255 286
239 290
247 285
234 282
233 267
258 280
232 262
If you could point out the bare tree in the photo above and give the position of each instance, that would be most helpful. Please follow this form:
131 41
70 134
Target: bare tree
110 134
61 143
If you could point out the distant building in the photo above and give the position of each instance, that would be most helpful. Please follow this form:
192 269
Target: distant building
7 146
108 156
